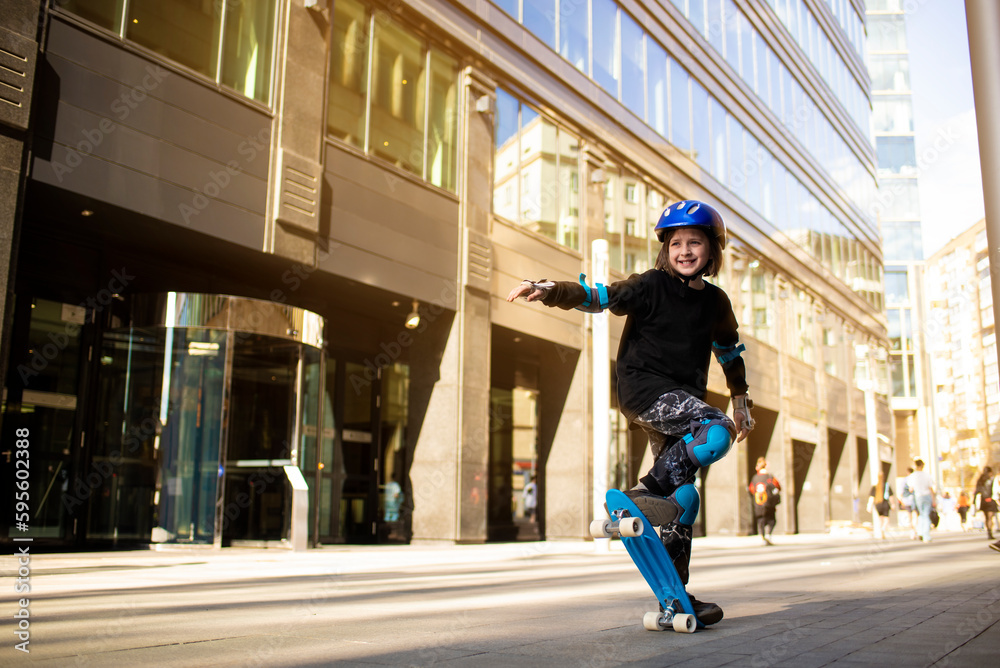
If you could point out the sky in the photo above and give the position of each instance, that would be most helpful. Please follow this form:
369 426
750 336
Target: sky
944 121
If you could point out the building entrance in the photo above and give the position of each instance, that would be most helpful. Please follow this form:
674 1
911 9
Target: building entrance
171 418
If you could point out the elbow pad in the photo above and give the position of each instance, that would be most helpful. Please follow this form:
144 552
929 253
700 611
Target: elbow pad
727 354
596 299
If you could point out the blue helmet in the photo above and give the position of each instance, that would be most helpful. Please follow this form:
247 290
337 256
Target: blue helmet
692 213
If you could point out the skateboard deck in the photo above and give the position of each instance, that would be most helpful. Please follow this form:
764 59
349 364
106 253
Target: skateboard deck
650 557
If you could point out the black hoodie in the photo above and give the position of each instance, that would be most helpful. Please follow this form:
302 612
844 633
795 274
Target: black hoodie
668 336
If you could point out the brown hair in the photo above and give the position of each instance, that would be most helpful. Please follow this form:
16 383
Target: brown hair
712 267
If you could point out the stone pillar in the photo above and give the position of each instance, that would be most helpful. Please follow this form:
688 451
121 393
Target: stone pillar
18 53
566 445
296 176
453 372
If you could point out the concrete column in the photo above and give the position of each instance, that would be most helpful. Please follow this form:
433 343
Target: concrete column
18 30
565 436
983 18
296 177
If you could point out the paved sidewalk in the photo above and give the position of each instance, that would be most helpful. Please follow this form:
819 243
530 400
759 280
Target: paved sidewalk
811 600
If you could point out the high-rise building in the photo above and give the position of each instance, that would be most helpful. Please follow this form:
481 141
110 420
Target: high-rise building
962 335
897 208
262 249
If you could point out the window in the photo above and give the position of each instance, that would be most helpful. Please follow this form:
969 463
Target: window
397 93
896 155
573 32
184 31
633 86
680 115
604 31
536 173
105 13
247 48
890 72
540 19
886 32
231 43
701 140
346 110
411 109
656 82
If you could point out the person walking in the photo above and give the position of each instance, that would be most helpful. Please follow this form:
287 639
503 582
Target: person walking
985 500
675 322
766 493
879 503
963 508
923 497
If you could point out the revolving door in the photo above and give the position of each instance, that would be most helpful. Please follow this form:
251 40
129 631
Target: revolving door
213 395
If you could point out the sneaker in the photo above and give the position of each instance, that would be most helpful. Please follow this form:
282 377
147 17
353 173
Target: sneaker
995 546
659 510
707 613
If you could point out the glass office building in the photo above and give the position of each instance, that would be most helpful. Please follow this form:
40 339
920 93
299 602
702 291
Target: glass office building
371 178
898 210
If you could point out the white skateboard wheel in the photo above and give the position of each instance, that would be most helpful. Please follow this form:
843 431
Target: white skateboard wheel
651 621
685 623
600 528
630 527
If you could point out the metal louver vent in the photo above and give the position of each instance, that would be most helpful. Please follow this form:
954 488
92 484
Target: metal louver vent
478 260
17 73
299 192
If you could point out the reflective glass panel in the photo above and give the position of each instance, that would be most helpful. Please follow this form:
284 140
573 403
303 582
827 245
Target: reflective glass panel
105 13
248 48
680 115
701 139
656 83
398 91
185 31
348 73
540 18
633 86
442 122
573 34
604 41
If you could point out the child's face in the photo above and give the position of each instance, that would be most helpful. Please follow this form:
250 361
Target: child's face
688 251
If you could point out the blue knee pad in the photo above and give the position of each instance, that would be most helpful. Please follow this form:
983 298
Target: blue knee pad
687 498
709 440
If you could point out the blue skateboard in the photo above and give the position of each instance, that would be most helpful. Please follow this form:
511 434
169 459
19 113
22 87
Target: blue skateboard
644 546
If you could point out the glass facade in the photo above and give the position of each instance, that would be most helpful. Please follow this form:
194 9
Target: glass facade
231 43
393 95
897 202
536 179
678 107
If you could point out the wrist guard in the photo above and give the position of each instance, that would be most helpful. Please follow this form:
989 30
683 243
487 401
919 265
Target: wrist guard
543 286
742 405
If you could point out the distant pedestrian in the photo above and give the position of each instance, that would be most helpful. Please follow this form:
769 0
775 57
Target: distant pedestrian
907 504
996 495
963 507
923 496
879 503
766 493
985 500
530 496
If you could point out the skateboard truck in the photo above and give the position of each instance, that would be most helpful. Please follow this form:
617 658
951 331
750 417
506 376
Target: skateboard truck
671 616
